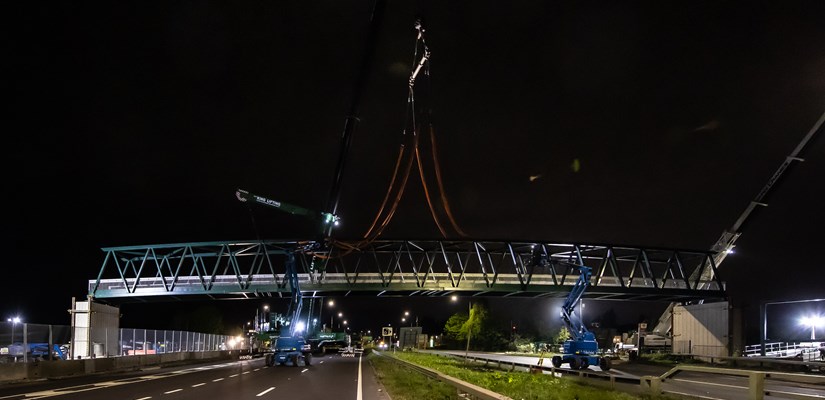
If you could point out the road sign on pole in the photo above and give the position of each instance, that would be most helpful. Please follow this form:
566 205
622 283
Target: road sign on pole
386 331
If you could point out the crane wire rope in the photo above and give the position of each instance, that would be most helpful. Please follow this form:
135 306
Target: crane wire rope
383 215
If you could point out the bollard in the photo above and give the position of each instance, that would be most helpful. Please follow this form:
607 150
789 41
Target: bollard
653 383
756 386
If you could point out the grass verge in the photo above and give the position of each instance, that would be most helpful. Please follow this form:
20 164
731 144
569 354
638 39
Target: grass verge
404 384
516 385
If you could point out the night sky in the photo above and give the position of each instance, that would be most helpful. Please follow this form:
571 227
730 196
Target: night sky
133 123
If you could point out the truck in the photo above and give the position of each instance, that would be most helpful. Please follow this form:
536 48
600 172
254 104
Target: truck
33 351
325 342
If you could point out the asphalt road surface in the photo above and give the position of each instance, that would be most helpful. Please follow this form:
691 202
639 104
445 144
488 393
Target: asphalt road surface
331 377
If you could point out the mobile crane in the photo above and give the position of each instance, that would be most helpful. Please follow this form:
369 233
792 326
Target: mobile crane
726 242
294 346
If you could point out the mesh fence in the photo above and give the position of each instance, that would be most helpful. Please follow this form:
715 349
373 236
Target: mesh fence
29 342
144 341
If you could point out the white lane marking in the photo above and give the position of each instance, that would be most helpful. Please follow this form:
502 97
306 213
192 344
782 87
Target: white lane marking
321 362
305 370
359 395
245 372
172 391
256 369
200 384
232 376
102 385
265 391
217 380
696 396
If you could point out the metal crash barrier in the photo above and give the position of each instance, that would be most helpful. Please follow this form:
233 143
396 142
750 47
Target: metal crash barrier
756 381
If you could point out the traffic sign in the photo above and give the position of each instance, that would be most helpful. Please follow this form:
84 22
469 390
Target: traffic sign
386 331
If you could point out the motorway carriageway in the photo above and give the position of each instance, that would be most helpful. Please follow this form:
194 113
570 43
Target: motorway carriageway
331 376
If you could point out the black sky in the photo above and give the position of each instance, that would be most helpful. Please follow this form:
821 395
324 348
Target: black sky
133 123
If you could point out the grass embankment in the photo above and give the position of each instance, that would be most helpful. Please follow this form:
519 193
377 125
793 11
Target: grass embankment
516 385
403 384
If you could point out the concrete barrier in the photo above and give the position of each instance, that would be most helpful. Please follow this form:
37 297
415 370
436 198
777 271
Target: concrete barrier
18 372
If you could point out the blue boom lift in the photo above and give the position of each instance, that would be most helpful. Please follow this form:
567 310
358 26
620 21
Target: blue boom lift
581 350
292 346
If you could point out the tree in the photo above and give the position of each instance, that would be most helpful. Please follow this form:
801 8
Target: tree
563 335
452 329
473 324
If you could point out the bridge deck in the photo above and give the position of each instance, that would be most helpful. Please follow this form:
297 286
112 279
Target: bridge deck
247 269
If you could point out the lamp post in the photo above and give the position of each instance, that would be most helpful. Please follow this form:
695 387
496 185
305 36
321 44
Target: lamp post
14 321
330 303
469 327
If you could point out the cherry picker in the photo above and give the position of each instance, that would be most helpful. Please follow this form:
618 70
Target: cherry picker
581 350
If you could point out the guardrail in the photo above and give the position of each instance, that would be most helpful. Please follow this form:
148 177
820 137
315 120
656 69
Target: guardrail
609 379
653 384
756 381
465 389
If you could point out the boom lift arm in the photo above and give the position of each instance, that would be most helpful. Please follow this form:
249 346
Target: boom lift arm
572 320
581 350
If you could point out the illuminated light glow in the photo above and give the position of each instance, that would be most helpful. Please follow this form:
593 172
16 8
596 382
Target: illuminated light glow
816 320
299 327
812 321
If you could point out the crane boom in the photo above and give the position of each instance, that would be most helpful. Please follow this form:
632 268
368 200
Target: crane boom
324 219
727 241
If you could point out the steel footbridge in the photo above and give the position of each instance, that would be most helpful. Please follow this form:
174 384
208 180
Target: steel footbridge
250 269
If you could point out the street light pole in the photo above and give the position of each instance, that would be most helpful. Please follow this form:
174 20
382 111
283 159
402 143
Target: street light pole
469 329
14 321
